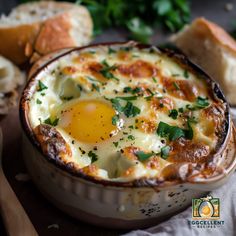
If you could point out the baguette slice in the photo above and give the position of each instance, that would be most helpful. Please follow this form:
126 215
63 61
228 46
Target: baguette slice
213 49
37 28
10 79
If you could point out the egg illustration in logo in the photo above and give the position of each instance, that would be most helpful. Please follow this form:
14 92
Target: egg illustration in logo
206 209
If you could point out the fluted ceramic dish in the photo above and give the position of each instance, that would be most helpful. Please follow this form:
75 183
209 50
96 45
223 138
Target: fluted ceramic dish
133 204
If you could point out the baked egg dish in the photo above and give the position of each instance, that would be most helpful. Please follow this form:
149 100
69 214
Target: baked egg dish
122 113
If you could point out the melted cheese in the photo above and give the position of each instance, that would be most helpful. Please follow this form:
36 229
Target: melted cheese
152 84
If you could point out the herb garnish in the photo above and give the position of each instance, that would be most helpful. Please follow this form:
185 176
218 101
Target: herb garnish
128 98
176 86
131 137
38 101
174 132
51 121
41 86
142 156
154 79
93 156
106 70
116 144
129 109
139 18
165 152
115 119
173 114
200 103
186 74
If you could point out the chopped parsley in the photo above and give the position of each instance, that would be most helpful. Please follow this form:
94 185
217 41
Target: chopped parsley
131 137
128 98
176 86
94 86
165 152
50 121
186 74
133 91
38 101
116 144
106 70
111 50
174 132
93 156
200 103
41 86
67 98
154 79
142 156
173 114
129 109
115 119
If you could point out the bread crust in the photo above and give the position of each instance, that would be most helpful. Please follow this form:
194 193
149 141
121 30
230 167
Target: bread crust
221 37
213 49
19 43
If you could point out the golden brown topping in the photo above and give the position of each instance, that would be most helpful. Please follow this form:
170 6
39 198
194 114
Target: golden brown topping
189 151
83 57
69 70
153 163
178 171
164 104
130 152
215 114
51 141
180 88
91 170
146 125
94 68
138 69
123 55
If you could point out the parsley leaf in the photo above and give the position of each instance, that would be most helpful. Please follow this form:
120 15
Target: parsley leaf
41 86
174 132
142 156
106 70
38 101
201 102
130 110
165 152
128 98
131 137
186 74
52 122
93 156
139 30
173 114
115 119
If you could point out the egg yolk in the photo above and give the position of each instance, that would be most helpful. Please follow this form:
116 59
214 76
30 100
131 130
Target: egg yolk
89 121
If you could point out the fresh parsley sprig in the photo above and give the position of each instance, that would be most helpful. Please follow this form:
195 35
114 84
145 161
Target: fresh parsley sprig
139 17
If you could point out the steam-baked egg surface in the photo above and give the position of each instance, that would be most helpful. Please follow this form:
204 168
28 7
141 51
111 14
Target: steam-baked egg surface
124 113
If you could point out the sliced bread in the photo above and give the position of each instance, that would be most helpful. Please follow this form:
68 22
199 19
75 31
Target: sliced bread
213 49
37 28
